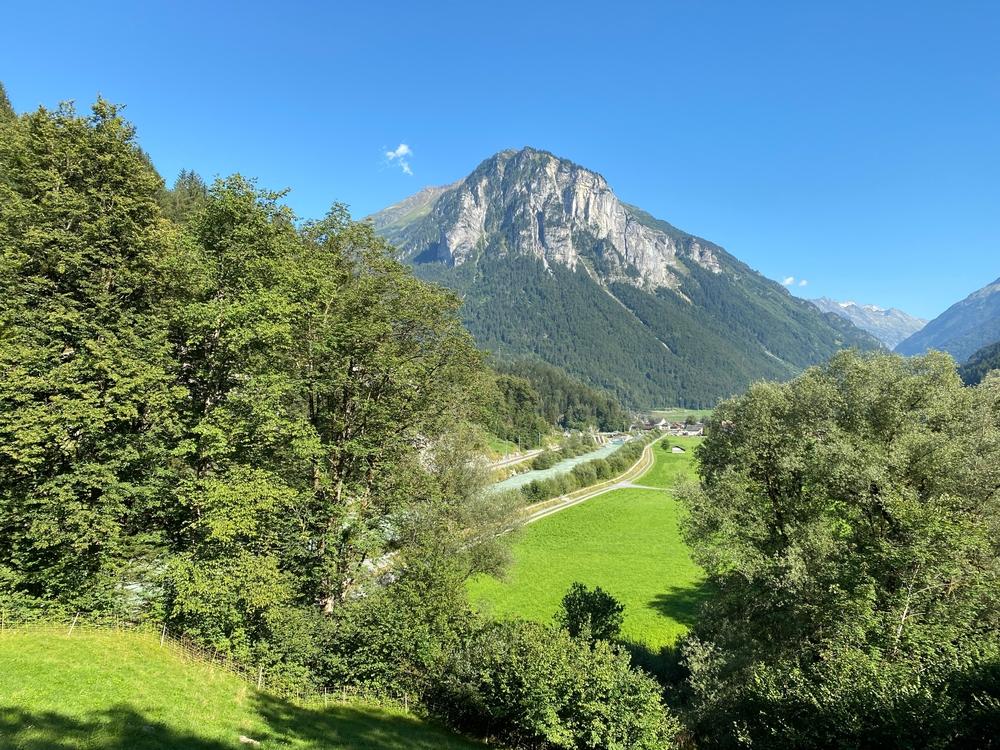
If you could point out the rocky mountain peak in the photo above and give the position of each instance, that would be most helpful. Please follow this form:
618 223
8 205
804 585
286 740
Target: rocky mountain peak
890 326
531 202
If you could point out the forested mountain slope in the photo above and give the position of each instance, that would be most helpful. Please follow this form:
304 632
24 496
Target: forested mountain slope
961 329
890 326
552 264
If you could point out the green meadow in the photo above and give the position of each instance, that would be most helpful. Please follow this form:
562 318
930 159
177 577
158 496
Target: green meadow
626 541
122 691
669 467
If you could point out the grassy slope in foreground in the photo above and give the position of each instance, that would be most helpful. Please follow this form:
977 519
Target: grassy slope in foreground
626 541
121 691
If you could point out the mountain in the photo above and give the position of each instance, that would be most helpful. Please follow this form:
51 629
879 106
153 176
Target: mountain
888 326
980 364
963 328
552 265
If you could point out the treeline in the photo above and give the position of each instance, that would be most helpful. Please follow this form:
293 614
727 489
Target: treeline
565 401
534 397
980 364
586 473
256 430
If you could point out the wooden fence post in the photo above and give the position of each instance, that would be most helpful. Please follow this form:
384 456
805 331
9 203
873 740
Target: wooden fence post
163 634
260 676
73 624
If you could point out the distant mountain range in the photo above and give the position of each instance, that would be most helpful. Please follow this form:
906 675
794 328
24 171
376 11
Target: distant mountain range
963 328
890 326
552 265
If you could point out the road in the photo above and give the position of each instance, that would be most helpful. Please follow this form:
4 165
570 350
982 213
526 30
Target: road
548 507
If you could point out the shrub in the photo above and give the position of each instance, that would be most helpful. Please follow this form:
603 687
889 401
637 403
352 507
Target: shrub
529 685
590 614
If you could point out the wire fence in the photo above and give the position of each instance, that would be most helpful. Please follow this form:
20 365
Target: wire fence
185 648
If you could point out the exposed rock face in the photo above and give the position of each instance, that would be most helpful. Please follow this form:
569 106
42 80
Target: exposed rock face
963 328
890 326
551 265
532 203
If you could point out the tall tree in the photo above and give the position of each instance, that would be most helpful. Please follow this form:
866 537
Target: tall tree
848 523
186 197
86 395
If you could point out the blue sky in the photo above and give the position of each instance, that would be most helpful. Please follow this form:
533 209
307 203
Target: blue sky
852 144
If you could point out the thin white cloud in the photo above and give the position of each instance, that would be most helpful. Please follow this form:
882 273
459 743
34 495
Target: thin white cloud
803 282
789 280
401 156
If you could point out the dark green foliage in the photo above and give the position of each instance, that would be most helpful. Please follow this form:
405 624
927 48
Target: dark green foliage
591 614
239 424
533 397
87 392
516 412
566 402
185 198
848 523
980 364
528 685
667 350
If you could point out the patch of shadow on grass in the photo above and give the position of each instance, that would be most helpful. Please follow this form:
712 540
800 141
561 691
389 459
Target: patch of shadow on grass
351 727
666 665
117 728
681 603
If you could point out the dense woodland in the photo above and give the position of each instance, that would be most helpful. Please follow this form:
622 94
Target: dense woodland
260 431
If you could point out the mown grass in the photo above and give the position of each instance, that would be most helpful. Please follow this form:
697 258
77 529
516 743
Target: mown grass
121 691
627 542
670 468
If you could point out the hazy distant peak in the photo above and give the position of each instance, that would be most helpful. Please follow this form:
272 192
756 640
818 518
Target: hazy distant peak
890 326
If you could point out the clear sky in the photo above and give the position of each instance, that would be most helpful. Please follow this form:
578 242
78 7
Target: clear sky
852 144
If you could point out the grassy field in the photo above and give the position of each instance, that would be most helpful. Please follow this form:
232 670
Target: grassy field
121 691
669 467
626 541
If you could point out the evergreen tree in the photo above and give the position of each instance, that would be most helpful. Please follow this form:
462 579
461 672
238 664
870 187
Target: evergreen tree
7 112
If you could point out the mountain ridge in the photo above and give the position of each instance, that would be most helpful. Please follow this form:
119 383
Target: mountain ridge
889 325
962 329
552 264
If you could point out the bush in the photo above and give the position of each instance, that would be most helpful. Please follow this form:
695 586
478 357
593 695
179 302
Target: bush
529 685
585 474
590 614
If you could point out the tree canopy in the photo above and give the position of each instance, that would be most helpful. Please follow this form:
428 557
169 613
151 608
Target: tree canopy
848 521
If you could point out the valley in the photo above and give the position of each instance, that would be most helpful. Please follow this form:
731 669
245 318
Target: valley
627 541
296 454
